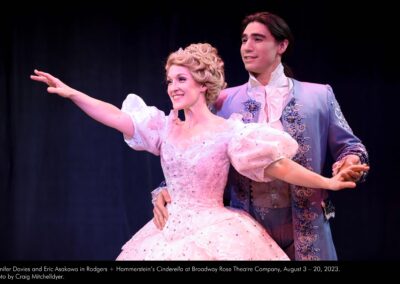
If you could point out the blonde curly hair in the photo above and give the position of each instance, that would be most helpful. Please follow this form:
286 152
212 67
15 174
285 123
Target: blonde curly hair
204 64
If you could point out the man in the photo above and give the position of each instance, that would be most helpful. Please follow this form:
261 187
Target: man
295 217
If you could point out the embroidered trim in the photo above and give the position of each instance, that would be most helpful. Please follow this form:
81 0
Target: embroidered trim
339 114
262 211
305 232
251 109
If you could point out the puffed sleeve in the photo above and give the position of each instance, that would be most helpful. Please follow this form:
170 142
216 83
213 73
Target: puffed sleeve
253 147
149 123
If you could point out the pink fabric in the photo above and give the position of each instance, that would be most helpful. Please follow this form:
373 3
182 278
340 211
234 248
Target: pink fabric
199 226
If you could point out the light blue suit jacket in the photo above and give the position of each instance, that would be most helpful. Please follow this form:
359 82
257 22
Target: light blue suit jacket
312 116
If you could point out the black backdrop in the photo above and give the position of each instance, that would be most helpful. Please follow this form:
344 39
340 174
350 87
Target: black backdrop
71 189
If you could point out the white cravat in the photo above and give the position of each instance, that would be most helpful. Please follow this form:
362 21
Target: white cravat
272 97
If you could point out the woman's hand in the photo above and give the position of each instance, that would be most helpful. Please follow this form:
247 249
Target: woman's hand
340 181
56 86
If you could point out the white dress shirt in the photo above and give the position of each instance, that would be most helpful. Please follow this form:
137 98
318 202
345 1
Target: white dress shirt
273 96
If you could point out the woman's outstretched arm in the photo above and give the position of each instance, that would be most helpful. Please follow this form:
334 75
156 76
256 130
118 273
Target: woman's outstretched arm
103 112
292 172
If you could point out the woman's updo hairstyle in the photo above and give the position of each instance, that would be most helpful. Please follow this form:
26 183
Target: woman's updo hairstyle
204 64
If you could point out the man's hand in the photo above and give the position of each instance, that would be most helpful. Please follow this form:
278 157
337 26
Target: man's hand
341 180
343 168
160 210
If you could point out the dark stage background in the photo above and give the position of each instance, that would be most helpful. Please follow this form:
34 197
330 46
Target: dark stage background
71 189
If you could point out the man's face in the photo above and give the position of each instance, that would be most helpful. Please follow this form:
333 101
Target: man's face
259 50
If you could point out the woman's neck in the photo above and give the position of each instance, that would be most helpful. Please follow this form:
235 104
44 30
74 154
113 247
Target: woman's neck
197 115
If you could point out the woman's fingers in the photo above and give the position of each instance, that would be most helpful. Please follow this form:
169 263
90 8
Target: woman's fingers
348 184
39 78
45 78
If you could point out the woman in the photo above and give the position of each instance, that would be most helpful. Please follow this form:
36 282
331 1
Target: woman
195 155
